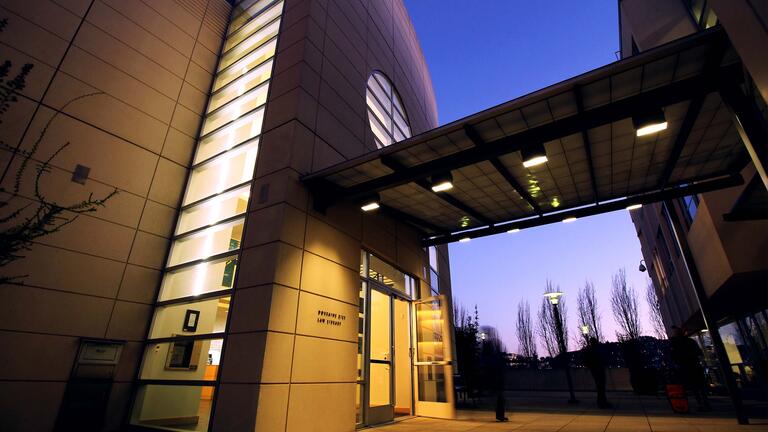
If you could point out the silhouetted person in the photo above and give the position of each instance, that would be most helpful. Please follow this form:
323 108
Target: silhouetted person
686 355
594 362
499 369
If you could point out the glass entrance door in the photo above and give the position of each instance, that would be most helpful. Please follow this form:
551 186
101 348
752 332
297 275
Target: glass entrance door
380 404
433 364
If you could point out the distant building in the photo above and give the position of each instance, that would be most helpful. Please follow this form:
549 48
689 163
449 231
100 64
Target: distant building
727 230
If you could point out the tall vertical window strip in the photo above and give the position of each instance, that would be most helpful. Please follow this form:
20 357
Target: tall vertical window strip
386 114
180 365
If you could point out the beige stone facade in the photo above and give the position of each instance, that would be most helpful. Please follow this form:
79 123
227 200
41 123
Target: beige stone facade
152 65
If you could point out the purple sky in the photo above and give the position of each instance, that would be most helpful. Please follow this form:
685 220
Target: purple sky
484 53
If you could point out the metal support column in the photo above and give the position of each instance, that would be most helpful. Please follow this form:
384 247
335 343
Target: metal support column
751 126
703 301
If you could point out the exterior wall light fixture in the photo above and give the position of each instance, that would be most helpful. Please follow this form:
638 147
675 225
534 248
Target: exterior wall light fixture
442 182
533 155
648 123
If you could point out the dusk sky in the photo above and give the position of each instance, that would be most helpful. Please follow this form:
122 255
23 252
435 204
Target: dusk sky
481 54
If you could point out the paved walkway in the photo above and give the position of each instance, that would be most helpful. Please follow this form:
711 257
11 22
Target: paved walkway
547 412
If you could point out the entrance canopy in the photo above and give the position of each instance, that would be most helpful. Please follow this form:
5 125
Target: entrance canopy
596 162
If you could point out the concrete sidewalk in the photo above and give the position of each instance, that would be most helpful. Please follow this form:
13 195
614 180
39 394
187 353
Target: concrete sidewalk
549 412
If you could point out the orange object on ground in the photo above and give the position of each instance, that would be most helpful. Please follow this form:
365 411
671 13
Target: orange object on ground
677 398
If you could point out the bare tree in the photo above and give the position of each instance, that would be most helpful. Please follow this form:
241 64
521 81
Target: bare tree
654 310
26 213
588 310
624 306
548 326
527 345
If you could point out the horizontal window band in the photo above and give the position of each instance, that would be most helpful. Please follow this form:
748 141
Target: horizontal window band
229 123
203 228
195 298
224 87
216 257
263 10
226 69
208 198
203 162
253 90
190 383
263 26
206 336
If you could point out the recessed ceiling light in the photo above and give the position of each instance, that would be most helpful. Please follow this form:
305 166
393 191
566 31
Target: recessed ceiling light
514 230
533 155
464 239
634 206
569 219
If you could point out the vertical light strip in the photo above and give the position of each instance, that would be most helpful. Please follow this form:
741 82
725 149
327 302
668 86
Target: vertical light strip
202 261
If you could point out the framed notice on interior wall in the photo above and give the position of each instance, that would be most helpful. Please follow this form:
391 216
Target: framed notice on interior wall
190 320
183 355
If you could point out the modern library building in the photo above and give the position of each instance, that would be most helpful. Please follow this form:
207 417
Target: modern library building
275 257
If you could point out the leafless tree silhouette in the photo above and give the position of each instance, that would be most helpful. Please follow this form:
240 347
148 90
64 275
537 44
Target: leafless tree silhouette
654 310
588 311
625 307
527 344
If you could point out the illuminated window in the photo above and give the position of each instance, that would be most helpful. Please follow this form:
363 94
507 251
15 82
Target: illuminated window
386 114
180 366
690 205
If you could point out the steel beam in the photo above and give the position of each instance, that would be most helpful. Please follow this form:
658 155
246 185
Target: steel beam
656 98
478 141
652 197
394 165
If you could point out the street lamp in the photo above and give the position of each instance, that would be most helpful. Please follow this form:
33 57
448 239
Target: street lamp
554 299
585 329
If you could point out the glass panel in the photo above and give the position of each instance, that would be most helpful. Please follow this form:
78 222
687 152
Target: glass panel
188 360
211 241
429 331
228 170
173 407
230 136
235 109
381 342
378 111
383 83
359 404
380 382
254 41
214 210
187 319
199 279
241 85
380 349
253 25
381 95
378 130
242 66
431 381
361 334
434 281
386 274
401 124
245 11
432 251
